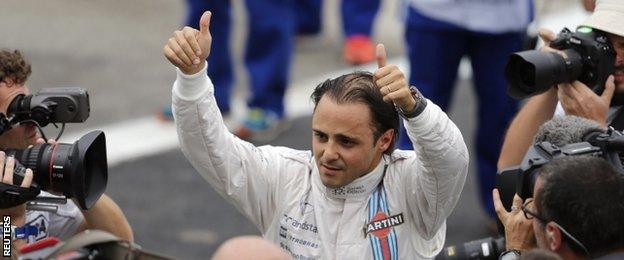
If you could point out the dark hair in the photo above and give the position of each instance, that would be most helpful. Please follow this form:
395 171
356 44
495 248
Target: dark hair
360 87
585 195
14 66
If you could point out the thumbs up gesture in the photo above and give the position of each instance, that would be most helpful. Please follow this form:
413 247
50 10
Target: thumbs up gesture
188 48
392 83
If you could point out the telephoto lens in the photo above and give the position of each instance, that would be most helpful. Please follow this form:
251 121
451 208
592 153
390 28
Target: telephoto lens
77 170
534 72
585 55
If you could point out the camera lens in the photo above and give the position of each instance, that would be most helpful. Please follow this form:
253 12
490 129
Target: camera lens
534 72
76 170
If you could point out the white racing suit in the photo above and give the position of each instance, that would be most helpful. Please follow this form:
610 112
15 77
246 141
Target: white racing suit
397 211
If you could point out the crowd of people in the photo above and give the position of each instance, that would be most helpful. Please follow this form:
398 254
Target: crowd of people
387 165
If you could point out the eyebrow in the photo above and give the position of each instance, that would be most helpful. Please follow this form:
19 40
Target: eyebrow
349 138
341 136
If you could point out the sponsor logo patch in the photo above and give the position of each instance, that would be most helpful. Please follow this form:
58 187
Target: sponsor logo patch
381 224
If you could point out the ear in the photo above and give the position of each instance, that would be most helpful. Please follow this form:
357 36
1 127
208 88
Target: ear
385 140
7 81
553 237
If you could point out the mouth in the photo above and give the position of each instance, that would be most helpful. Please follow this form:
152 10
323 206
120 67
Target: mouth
329 170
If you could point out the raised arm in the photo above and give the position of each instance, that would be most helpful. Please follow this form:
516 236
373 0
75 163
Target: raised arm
433 179
522 129
240 172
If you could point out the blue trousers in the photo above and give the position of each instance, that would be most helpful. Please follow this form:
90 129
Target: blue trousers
268 52
358 16
435 50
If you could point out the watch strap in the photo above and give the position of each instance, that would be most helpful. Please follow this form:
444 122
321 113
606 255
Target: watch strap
421 103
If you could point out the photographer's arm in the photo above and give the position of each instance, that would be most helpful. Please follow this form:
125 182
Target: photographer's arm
243 174
531 116
106 215
523 128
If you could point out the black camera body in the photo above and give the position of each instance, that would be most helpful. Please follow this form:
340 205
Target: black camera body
77 170
51 105
586 55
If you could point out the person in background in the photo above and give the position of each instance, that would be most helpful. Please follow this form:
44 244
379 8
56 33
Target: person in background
438 35
358 17
267 57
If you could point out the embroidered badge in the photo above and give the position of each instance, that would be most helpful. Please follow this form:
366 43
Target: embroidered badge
381 224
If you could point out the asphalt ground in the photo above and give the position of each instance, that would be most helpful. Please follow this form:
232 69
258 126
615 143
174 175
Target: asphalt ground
113 48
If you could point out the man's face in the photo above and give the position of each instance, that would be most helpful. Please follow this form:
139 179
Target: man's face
618 45
24 135
538 226
343 143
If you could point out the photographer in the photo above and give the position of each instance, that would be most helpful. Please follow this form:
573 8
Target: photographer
575 98
68 219
354 196
576 211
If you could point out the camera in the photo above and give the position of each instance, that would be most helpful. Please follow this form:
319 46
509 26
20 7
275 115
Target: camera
77 170
586 55
521 180
485 249
51 105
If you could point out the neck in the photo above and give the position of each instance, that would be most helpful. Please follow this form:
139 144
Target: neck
361 187
373 165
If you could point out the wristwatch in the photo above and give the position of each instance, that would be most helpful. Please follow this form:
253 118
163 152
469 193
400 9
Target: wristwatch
511 254
421 103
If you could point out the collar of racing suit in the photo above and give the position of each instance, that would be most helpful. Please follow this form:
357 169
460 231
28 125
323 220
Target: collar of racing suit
361 187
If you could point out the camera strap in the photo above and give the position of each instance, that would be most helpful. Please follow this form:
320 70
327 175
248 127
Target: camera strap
12 195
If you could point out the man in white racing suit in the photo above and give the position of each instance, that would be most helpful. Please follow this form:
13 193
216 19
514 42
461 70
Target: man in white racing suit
354 196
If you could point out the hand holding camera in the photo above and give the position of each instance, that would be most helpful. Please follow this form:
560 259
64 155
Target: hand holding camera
17 213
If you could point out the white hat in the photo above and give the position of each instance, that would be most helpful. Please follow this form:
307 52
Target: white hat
608 16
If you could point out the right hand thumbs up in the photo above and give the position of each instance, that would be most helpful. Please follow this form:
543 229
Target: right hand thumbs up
188 48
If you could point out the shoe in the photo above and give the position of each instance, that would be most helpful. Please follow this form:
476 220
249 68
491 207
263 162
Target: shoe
260 126
359 49
165 114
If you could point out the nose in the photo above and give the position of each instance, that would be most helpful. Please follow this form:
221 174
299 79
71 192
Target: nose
330 153
619 58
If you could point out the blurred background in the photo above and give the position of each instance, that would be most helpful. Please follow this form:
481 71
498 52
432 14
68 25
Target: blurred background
113 49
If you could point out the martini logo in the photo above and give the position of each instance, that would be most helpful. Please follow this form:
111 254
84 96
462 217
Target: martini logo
381 224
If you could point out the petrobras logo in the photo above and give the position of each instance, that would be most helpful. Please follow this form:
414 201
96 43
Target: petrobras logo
381 224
